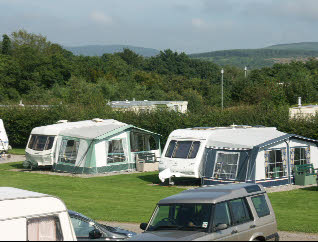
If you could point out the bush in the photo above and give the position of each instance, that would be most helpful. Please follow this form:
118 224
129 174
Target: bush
19 121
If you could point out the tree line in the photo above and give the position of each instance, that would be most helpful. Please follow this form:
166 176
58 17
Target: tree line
40 72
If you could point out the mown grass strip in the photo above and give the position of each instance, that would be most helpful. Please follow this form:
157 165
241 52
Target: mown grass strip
132 198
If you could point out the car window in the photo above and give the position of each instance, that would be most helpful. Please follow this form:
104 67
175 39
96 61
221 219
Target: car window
82 228
240 211
221 214
261 206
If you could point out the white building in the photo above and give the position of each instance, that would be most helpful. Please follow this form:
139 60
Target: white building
142 106
303 111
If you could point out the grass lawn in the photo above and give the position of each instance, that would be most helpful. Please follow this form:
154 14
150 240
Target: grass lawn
130 198
296 210
17 151
123 198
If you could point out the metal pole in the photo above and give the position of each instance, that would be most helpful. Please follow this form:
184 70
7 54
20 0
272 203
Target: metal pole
222 72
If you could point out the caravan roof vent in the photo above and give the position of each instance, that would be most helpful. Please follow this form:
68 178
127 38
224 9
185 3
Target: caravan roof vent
203 128
62 121
97 120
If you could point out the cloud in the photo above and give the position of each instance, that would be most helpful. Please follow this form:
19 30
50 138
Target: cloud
198 23
101 18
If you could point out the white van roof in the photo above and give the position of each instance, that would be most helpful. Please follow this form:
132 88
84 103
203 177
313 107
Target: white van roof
245 137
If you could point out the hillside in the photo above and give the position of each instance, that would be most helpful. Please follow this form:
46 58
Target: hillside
99 50
308 46
257 58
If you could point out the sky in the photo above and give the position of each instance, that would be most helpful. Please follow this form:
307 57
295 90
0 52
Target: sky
190 26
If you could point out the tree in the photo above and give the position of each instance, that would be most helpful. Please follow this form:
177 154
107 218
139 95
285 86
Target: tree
6 45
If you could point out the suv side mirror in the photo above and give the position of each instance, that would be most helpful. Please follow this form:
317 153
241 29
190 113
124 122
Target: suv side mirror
221 227
95 234
143 226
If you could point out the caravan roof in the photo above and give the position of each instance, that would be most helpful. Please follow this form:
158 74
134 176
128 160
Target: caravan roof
245 137
100 130
55 129
10 193
17 203
93 129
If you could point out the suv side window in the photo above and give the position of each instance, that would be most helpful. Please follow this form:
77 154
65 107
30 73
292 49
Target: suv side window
240 211
261 206
222 214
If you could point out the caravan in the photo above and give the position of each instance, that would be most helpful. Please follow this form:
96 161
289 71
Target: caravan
4 142
236 154
92 146
41 145
32 216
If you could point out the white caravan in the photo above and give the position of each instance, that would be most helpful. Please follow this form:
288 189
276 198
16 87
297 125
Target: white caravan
32 216
4 142
183 153
238 153
42 142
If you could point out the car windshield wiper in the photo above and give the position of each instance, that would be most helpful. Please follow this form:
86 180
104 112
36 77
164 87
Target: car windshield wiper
190 228
164 227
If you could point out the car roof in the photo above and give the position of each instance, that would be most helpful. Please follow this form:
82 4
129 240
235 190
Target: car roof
214 194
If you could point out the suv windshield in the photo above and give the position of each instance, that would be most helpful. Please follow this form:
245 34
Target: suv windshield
181 217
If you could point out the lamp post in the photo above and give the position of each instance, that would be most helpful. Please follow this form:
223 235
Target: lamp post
245 70
222 72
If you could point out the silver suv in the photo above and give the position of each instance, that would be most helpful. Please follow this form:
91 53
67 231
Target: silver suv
224 212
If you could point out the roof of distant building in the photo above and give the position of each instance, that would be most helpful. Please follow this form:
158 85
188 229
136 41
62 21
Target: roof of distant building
144 103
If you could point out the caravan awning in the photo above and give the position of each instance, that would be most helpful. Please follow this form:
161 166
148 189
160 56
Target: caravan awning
101 130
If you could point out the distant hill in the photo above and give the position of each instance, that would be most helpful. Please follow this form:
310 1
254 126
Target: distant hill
310 46
258 58
99 50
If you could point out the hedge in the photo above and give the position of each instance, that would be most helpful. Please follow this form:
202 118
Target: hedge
19 121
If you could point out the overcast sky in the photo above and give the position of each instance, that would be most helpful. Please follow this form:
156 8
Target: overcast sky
190 26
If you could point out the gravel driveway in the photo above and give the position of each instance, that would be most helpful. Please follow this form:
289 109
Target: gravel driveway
11 158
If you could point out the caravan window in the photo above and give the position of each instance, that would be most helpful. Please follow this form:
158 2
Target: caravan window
116 151
171 147
226 165
41 142
69 150
300 156
44 229
275 167
140 142
183 149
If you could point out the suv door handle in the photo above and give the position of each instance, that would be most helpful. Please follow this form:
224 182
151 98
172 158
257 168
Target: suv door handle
234 232
253 226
